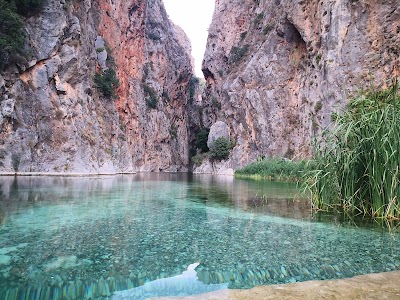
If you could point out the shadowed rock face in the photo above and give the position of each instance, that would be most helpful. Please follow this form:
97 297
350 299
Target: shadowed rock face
278 69
53 118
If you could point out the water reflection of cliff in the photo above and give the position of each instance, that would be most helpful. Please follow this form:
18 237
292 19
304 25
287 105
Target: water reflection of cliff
261 197
272 198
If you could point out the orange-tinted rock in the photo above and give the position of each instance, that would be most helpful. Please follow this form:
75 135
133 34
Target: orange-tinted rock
60 122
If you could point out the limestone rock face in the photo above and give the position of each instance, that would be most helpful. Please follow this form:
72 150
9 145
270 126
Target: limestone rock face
218 130
54 119
277 69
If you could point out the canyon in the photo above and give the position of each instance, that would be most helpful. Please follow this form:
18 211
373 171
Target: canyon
275 71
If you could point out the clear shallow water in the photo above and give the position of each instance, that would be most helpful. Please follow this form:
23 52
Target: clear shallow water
134 237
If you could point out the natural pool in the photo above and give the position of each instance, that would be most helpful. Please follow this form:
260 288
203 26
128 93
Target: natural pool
149 235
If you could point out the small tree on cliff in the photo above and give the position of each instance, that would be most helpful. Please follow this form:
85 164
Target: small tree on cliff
220 149
107 82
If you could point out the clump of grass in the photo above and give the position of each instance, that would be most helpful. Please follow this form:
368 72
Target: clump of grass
357 170
278 169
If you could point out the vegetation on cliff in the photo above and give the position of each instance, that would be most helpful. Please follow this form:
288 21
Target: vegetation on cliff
107 82
12 32
358 168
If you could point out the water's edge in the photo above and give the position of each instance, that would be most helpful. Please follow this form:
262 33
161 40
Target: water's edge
370 286
62 174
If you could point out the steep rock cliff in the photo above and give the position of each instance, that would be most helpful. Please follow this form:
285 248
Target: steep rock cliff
277 69
52 116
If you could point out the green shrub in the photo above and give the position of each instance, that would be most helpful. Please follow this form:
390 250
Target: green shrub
257 20
173 131
154 36
193 84
107 82
318 58
220 149
201 140
199 158
150 95
237 53
276 169
358 168
12 33
165 95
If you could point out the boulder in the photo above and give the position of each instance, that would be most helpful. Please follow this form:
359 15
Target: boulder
218 130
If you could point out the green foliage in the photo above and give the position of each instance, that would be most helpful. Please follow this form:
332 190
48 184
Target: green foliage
201 139
165 95
318 58
276 169
199 158
150 95
173 131
12 34
99 50
237 53
107 82
220 149
358 168
154 36
259 17
193 84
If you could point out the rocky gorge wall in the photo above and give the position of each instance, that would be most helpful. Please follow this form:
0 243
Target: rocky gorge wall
277 69
54 119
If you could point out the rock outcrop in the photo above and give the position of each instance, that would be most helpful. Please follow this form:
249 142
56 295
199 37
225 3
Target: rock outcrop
277 69
54 119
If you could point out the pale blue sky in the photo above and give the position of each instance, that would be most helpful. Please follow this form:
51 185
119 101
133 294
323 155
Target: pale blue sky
194 17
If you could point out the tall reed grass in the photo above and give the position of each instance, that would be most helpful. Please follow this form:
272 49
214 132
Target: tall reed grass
357 168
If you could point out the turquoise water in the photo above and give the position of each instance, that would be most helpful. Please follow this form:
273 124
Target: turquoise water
141 236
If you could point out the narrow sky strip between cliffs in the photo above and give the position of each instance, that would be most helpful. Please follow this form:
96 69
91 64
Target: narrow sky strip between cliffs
194 17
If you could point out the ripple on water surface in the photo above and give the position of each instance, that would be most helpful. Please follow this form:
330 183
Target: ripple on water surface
134 237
